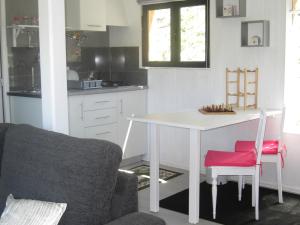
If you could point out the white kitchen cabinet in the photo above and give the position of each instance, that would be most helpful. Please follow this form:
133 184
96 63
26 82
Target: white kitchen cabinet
88 15
94 15
104 116
26 110
76 120
116 15
104 132
90 115
133 102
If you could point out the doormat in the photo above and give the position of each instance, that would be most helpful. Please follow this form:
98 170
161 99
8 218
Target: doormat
143 173
232 212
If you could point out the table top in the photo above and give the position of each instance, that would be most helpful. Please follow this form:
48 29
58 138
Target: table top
195 120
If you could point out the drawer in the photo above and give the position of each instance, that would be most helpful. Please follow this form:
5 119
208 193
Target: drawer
94 102
106 132
100 117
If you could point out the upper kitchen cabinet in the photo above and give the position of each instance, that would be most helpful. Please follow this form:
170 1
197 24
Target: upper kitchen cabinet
94 15
116 15
88 15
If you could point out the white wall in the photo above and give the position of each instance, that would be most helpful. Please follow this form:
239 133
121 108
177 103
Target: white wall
172 89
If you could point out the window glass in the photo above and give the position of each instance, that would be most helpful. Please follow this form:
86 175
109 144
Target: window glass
292 79
296 4
193 27
159 23
176 34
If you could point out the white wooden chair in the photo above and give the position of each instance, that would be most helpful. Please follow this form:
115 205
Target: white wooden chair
238 164
272 152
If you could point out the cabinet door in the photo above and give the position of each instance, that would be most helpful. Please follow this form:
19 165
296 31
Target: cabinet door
133 102
72 8
118 17
76 113
93 15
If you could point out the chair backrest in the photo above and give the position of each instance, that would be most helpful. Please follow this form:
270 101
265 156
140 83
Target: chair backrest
281 126
260 135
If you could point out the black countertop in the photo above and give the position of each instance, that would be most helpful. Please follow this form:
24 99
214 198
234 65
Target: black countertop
29 94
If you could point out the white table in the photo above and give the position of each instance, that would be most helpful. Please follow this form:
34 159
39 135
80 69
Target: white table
196 122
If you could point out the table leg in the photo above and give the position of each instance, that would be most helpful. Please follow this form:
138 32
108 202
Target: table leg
194 179
154 168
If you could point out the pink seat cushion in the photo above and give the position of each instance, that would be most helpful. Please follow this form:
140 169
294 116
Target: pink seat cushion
270 147
236 159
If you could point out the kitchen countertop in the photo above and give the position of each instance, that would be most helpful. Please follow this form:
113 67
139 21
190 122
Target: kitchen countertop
29 94
74 92
106 90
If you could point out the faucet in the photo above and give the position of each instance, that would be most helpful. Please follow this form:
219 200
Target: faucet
92 75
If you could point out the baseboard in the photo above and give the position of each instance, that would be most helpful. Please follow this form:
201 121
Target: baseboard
285 188
175 165
270 185
133 160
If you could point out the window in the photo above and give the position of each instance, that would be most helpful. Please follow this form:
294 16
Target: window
176 34
292 79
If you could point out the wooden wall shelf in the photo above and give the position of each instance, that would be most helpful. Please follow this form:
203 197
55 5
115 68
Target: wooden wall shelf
255 33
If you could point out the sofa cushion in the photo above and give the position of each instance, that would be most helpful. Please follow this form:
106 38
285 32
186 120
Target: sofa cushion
31 212
48 166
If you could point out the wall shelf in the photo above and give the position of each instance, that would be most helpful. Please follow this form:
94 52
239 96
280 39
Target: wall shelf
23 26
255 33
231 8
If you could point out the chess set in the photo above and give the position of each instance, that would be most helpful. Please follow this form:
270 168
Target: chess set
221 109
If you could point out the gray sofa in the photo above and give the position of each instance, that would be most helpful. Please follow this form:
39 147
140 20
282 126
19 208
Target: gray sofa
47 166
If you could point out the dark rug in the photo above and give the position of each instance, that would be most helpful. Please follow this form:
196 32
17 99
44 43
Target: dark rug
232 212
143 174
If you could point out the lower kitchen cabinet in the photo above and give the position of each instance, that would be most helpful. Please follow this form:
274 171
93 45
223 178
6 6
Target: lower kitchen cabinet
26 110
104 116
133 102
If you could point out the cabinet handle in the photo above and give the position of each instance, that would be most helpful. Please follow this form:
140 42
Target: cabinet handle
121 106
93 25
107 132
81 109
101 102
102 117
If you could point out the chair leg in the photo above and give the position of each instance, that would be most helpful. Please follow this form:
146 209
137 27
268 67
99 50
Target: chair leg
244 182
214 194
253 191
240 186
279 179
257 192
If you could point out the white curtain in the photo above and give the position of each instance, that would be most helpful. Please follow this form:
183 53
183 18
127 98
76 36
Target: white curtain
149 2
295 5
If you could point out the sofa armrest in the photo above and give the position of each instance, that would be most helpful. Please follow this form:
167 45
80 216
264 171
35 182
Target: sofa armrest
125 197
138 219
3 128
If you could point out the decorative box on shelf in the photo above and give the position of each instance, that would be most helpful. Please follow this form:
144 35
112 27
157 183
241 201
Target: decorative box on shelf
230 8
255 33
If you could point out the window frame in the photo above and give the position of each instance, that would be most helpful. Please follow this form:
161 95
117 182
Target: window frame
175 35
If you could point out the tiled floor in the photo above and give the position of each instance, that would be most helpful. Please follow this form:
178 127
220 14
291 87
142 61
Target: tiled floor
173 186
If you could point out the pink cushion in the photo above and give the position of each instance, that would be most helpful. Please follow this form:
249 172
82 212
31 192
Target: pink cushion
221 158
270 147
